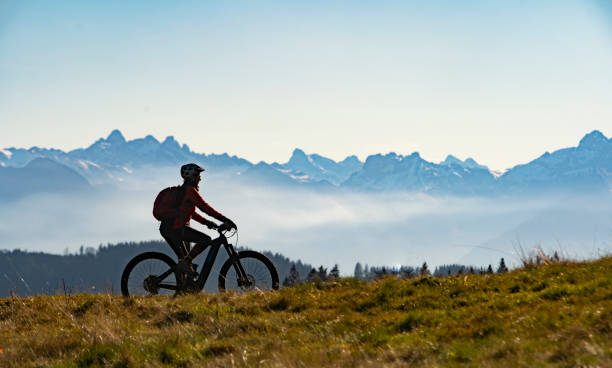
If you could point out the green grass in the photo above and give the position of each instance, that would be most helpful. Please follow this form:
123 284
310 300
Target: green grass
550 315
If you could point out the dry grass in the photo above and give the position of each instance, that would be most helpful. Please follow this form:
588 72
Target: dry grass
556 314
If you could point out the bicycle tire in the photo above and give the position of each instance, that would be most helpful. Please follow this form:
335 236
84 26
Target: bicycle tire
131 274
259 269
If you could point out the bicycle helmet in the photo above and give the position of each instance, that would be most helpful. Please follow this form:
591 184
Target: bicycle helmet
190 171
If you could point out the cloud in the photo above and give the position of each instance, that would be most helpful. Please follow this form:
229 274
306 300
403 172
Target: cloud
328 228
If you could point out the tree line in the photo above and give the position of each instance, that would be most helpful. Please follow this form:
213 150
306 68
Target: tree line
370 273
92 270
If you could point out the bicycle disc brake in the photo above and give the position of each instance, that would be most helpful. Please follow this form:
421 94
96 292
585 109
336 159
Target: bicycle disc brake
248 284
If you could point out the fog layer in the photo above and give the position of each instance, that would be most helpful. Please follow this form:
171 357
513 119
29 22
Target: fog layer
320 228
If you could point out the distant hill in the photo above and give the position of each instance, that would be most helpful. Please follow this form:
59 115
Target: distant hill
96 271
41 175
575 227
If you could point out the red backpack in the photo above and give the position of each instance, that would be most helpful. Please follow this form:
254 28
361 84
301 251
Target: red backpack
167 202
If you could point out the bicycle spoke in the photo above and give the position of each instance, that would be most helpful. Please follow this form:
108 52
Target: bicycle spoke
256 273
145 272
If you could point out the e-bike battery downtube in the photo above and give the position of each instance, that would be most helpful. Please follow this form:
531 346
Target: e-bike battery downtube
208 263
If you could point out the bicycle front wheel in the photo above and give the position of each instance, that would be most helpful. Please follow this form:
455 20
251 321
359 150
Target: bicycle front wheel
149 273
261 275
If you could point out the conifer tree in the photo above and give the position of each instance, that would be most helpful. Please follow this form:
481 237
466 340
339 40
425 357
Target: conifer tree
502 267
490 270
287 282
335 272
312 275
406 271
294 275
322 273
358 271
425 270
293 278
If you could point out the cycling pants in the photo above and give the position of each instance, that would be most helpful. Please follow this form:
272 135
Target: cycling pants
179 239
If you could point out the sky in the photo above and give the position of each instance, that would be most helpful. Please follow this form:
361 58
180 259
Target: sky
501 82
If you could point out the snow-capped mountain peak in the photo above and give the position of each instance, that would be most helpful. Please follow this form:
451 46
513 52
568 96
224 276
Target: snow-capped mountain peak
317 167
109 160
469 163
6 153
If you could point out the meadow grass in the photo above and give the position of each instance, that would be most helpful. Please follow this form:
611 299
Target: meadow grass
556 314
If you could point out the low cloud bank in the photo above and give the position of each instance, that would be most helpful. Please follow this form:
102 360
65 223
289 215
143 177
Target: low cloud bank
343 228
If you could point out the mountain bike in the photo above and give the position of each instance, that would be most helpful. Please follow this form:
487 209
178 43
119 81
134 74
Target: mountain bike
154 273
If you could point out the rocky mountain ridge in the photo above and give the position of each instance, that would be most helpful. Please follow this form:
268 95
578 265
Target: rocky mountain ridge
113 159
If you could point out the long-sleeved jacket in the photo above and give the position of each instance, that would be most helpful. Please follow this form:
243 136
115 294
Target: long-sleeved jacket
191 200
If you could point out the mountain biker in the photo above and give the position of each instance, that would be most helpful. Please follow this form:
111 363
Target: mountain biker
177 231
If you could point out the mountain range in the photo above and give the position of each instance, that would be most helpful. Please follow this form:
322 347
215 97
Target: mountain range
39 176
112 160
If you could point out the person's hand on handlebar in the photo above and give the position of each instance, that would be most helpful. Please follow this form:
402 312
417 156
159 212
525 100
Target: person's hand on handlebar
227 225
211 225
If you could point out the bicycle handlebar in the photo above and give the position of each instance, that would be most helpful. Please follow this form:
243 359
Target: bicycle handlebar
222 230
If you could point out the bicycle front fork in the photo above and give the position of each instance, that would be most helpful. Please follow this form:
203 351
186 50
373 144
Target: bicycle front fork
243 279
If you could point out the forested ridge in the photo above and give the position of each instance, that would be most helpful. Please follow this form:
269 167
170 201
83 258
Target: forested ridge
96 270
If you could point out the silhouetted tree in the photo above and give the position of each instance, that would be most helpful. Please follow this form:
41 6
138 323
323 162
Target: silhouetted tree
455 269
322 272
425 270
490 270
502 267
406 272
358 271
313 275
293 278
335 272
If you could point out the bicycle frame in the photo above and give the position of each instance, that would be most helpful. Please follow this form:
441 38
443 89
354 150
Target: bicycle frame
241 268
212 256
208 265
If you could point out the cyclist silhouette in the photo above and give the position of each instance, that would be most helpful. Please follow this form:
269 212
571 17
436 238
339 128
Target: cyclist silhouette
176 231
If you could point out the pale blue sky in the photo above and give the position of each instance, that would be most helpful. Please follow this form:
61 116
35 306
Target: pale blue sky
501 81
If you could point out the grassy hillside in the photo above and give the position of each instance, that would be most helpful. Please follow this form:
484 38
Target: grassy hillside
553 315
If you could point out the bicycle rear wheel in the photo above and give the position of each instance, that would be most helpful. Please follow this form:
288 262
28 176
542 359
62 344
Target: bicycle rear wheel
261 275
149 273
